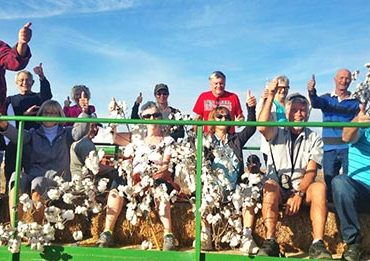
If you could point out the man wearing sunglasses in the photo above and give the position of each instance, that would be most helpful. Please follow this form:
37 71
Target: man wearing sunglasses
161 93
295 155
217 96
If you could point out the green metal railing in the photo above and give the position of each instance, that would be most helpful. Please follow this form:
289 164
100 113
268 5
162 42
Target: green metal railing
80 253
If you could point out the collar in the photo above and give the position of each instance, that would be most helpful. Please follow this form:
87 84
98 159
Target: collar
333 94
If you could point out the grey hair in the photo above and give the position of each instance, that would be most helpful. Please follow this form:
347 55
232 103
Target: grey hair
149 105
217 74
282 78
77 90
25 72
298 98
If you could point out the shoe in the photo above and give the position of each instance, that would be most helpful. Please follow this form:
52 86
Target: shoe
352 252
169 242
206 242
319 251
105 239
269 248
248 246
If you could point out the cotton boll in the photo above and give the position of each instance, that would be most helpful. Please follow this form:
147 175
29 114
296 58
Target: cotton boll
77 235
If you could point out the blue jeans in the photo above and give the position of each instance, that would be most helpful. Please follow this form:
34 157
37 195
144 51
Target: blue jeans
350 197
333 161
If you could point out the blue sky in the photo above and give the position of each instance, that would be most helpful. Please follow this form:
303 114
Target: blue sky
119 48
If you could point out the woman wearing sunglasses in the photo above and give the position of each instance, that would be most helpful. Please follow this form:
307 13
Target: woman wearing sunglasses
226 156
149 157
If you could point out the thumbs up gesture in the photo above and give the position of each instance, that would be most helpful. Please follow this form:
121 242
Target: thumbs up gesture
25 34
139 99
67 102
362 116
311 84
251 99
39 71
83 102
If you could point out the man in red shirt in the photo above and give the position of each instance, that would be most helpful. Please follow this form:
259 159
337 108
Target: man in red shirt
14 59
217 96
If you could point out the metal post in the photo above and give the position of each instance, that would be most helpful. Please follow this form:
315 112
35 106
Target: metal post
198 192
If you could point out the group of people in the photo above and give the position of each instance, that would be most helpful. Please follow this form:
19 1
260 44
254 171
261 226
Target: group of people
293 155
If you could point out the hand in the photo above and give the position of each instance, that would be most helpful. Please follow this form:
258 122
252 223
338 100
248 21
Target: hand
3 125
39 71
272 87
311 84
32 111
112 104
293 205
67 102
251 99
25 34
240 117
83 102
265 93
362 116
163 174
139 99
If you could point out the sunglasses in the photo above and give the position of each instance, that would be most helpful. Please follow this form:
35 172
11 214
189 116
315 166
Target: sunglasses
162 94
155 115
222 116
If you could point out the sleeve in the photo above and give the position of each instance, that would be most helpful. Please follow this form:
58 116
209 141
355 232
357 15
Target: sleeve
66 111
80 129
45 90
91 109
316 151
238 107
199 106
248 131
135 111
317 102
12 134
11 60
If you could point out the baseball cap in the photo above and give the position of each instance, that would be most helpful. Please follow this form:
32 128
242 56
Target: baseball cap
159 87
253 160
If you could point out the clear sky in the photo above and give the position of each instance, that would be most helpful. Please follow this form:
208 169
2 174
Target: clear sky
120 48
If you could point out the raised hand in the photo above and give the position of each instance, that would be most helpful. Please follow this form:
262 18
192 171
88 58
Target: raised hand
25 34
139 99
39 71
272 86
251 99
362 116
112 104
83 102
67 102
32 111
311 84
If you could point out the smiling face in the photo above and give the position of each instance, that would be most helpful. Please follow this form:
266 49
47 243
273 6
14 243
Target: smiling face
217 85
151 113
297 112
161 96
342 80
24 82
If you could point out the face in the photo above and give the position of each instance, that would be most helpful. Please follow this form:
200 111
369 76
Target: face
282 90
24 83
50 113
342 80
217 86
162 96
222 116
94 129
151 114
254 168
297 113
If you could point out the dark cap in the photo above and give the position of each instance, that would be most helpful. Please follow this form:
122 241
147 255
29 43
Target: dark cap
159 87
252 160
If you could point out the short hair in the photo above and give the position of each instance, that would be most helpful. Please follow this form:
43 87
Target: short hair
282 78
217 74
212 117
25 72
53 106
149 105
77 90
298 98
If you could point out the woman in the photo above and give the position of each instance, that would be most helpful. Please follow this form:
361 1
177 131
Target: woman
226 156
46 152
149 157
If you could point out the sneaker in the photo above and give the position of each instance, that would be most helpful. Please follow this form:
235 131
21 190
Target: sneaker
248 246
105 239
169 242
206 242
269 248
352 252
318 251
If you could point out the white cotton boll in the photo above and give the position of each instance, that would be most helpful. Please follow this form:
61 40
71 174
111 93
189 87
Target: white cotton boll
40 247
59 226
68 198
234 241
68 215
102 185
54 194
101 154
96 208
145 245
82 210
77 235
14 245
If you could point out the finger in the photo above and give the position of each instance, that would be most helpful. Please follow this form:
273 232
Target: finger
68 99
141 94
40 65
313 78
27 25
82 95
249 94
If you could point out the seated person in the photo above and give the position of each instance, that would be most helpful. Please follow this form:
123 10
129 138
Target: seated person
295 155
226 150
47 154
155 149
81 96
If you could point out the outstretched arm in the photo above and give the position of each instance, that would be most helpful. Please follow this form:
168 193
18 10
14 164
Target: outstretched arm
350 134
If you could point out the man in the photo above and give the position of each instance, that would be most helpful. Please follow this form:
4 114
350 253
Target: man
337 106
295 155
351 193
14 59
217 96
161 93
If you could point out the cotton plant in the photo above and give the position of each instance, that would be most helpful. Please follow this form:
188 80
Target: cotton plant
362 92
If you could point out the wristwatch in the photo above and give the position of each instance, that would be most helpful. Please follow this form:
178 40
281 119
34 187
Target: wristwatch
300 193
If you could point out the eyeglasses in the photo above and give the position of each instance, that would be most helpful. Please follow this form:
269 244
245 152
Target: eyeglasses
283 87
162 94
222 116
155 115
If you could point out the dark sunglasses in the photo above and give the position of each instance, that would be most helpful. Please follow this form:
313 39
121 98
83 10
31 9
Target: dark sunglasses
155 115
162 93
222 116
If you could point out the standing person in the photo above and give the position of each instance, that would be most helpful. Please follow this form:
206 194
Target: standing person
161 93
351 192
14 59
337 106
25 103
295 155
217 96
277 109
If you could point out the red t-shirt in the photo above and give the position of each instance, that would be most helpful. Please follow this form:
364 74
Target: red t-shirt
206 102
